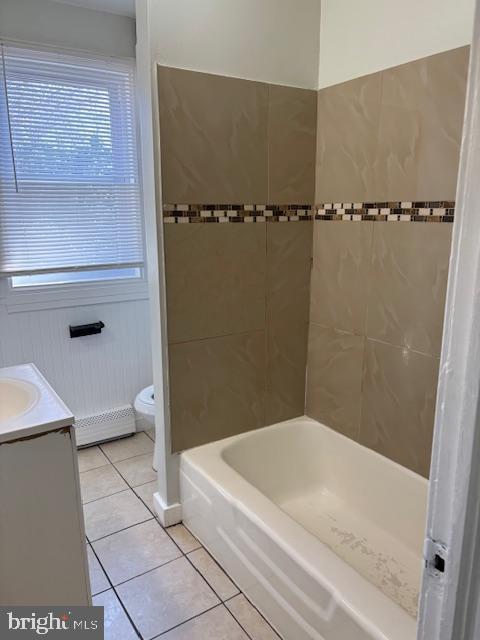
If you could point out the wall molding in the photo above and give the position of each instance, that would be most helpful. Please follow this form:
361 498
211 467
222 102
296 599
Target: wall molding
398 211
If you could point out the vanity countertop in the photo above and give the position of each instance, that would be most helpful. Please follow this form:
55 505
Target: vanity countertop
36 408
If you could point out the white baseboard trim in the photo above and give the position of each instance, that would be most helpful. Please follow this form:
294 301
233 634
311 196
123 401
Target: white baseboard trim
167 514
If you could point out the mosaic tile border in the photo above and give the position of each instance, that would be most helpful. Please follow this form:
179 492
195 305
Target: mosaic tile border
424 211
183 213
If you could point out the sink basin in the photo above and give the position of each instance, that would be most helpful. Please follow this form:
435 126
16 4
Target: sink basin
16 398
28 404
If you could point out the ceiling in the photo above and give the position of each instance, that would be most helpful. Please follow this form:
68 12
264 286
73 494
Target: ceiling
121 7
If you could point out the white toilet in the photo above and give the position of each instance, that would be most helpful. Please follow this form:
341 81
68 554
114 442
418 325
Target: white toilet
144 406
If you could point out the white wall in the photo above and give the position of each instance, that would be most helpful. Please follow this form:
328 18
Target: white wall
91 374
268 40
46 22
363 36
105 371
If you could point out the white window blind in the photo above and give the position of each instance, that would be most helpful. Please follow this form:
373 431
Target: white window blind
69 193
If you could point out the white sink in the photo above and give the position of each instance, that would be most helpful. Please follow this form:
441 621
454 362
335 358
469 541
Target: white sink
28 404
16 397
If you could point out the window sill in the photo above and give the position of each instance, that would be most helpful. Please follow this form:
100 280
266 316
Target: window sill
79 295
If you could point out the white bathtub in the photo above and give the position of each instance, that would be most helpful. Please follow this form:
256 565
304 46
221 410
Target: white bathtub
323 535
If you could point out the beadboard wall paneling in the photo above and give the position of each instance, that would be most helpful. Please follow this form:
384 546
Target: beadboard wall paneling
90 374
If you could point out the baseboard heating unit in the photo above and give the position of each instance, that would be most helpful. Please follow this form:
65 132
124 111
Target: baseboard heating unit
105 426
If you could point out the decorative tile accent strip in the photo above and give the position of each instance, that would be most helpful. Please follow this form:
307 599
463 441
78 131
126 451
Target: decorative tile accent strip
244 213
425 211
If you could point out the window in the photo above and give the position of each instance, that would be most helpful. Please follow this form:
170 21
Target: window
69 194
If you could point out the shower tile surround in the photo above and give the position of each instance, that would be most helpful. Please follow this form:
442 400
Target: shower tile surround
391 139
240 305
237 319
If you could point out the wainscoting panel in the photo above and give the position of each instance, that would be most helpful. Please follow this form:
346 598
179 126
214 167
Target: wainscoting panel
91 374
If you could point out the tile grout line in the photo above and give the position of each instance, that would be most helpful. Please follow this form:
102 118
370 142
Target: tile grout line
218 337
221 569
222 601
148 435
108 461
130 526
198 615
259 613
174 541
138 485
237 621
146 505
136 494
129 486
107 496
365 327
137 455
116 595
144 573
204 578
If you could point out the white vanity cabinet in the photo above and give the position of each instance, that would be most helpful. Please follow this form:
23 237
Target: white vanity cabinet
43 556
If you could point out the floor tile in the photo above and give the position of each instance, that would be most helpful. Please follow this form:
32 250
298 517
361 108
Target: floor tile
213 574
117 624
145 492
108 515
216 624
101 482
127 447
254 624
137 470
136 550
98 579
165 597
182 536
91 458
151 433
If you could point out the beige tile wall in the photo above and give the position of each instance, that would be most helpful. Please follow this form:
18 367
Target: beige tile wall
378 288
213 138
237 294
237 313
393 135
233 141
377 301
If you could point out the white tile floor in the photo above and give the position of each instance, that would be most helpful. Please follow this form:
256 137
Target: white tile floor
153 582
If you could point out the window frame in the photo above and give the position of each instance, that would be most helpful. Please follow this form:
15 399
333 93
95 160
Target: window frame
58 295
55 296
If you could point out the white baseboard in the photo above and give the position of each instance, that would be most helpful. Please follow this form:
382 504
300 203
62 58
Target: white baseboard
168 515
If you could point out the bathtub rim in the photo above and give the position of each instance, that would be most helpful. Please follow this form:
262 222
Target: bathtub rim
375 612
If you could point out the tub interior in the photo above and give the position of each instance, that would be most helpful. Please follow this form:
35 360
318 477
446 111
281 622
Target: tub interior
368 510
